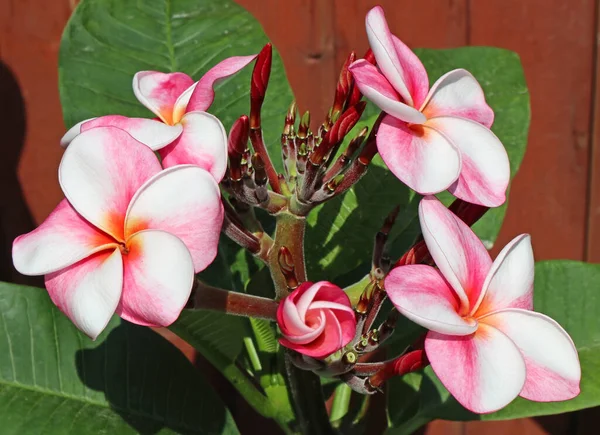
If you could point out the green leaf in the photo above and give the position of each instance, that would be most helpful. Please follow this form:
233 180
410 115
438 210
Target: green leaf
340 233
566 291
53 379
107 41
217 336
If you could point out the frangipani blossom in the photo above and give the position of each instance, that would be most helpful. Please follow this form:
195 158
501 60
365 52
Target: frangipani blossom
432 139
316 319
485 344
183 133
128 237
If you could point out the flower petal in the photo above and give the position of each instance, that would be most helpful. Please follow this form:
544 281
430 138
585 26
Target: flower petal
419 156
347 321
377 88
303 299
203 94
289 319
150 132
485 169
184 201
484 371
159 91
88 292
101 171
203 143
319 305
158 275
457 93
415 73
72 133
61 240
553 370
458 253
509 283
398 64
421 294
330 340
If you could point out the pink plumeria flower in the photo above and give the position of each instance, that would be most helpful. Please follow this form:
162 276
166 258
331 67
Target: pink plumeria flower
183 133
432 139
129 236
485 344
316 319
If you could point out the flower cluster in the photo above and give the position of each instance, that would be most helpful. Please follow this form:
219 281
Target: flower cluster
133 229
485 343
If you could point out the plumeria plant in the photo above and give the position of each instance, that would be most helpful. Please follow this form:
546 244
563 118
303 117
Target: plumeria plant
158 212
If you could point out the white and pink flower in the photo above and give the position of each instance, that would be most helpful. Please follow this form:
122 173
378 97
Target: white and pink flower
316 319
183 133
129 236
432 139
485 343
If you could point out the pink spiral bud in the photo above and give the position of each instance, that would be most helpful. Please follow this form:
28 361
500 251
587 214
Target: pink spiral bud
316 319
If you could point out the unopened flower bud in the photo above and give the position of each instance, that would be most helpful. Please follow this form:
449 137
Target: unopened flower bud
316 319
260 80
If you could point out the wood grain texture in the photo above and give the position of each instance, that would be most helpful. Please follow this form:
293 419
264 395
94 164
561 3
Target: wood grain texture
302 31
555 40
30 41
593 233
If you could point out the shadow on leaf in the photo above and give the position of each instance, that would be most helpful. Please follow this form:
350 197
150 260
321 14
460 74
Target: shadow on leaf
151 385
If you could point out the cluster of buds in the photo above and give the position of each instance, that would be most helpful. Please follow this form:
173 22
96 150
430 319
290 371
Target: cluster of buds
313 170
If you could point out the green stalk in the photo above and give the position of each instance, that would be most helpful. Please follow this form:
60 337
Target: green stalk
307 399
304 387
289 233
341 402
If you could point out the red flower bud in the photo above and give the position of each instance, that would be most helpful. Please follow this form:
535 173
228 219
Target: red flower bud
316 319
260 80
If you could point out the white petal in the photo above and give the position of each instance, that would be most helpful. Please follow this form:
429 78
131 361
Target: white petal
509 284
553 370
184 201
88 292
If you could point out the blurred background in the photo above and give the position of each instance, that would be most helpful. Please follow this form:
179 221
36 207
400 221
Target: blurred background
555 196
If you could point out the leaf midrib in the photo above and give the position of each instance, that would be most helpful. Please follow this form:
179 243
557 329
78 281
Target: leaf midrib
169 36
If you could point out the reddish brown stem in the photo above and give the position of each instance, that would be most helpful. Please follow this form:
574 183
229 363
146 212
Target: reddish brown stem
211 298
402 365
258 144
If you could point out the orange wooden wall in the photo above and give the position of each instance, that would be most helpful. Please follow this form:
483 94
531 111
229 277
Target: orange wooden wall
555 196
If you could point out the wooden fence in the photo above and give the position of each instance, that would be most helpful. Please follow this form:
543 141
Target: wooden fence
555 197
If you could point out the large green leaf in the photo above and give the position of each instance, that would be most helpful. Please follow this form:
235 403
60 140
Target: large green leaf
340 233
107 41
53 379
567 291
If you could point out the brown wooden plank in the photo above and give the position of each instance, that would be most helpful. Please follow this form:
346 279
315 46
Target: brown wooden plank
302 31
30 41
555 40
411 20
593 240
524 426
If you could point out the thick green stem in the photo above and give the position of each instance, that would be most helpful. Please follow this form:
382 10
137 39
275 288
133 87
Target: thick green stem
307 399
289 233
304 387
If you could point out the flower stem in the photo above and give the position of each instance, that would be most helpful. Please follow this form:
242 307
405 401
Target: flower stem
290 234
207 297
307 399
